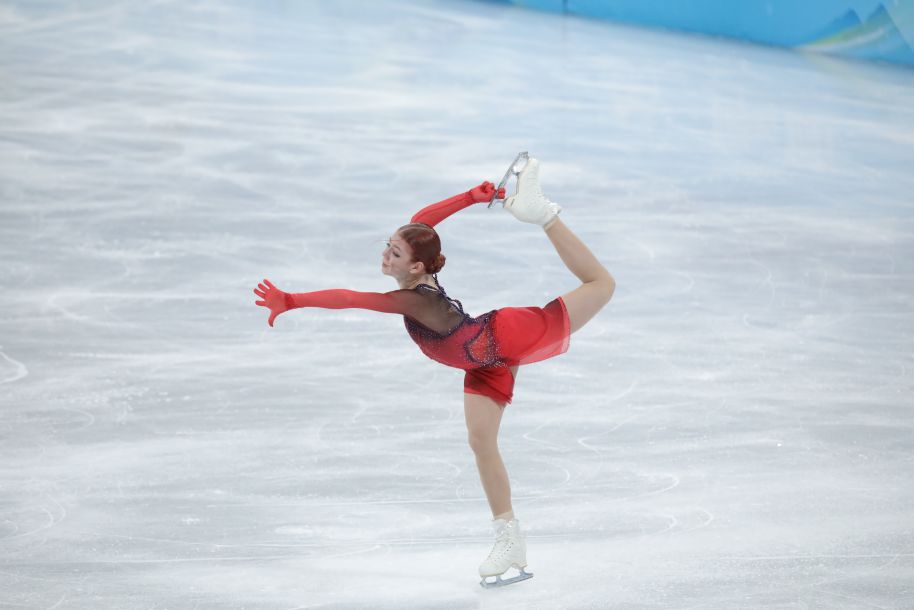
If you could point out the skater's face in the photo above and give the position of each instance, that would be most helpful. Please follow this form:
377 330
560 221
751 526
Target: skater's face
397 259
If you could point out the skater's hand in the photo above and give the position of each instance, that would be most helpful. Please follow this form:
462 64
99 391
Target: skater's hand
485 192
273 298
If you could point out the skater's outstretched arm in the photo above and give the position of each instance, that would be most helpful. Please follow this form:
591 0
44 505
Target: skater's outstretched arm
436 212
405 302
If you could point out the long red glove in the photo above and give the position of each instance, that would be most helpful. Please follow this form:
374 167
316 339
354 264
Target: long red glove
405 302
273 299
436 212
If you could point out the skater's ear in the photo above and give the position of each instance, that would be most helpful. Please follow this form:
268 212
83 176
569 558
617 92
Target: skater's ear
418 267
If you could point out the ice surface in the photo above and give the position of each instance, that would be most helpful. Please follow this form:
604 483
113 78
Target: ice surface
733 431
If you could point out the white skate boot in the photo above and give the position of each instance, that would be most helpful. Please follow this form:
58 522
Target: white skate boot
509 551
529 204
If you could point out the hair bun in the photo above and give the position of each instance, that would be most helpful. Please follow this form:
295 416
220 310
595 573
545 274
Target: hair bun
438 264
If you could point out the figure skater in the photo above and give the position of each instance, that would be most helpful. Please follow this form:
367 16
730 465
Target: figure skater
490 347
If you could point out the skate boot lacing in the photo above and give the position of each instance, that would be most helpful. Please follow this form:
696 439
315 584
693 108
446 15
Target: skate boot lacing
505 540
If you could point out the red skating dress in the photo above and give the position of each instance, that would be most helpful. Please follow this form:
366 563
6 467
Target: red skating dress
485 346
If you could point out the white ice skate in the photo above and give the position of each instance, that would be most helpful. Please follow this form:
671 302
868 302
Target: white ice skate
529 204
509 551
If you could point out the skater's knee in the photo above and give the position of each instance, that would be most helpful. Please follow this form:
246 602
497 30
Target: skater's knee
607 286
483 443
586 300
598 292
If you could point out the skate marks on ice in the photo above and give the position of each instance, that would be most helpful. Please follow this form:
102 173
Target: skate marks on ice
11 370
733 431
32 520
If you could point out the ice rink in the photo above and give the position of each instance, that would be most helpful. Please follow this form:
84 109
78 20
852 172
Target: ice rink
735 430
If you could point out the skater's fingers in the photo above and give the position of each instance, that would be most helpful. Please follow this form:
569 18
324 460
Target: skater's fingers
269 283
272 317
261 303
500 194
263 289
260 293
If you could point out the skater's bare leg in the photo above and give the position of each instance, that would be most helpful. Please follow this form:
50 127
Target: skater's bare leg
483 417
597 284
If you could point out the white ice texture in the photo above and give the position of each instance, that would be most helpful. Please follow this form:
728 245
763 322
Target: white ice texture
733 431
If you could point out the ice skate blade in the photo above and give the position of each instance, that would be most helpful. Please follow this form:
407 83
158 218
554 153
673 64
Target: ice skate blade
516 167
502 582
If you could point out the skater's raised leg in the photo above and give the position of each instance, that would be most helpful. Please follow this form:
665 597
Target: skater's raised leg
597 284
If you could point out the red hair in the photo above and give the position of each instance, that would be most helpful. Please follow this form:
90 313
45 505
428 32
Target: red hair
426 245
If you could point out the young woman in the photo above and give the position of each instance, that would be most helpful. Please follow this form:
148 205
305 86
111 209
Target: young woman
490 347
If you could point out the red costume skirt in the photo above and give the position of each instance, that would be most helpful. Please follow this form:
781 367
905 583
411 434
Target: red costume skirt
523 335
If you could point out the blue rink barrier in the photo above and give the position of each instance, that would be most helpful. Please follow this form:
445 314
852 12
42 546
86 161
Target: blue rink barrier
863 29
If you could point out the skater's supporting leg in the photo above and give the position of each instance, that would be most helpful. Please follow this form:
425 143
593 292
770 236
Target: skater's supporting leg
597 283
483 417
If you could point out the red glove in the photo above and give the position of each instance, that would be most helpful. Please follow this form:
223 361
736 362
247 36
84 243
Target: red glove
485 192
274 299
436 212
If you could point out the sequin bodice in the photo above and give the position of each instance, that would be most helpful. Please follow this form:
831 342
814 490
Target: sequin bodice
468 343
